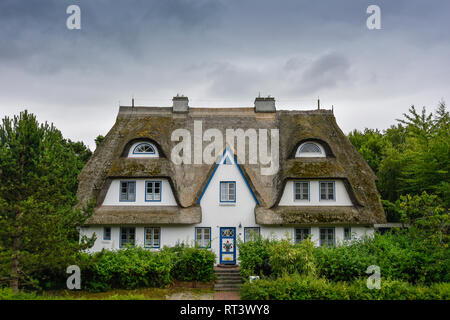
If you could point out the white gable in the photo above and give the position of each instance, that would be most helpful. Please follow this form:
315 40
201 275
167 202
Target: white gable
228 214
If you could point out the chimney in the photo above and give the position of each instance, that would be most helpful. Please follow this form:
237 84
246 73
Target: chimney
180 104
265 104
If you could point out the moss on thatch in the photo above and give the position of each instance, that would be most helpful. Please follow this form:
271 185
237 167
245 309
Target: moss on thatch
157 124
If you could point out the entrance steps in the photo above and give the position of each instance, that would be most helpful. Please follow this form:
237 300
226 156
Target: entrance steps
227 278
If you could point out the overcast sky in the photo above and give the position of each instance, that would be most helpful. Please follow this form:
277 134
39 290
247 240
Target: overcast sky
221 53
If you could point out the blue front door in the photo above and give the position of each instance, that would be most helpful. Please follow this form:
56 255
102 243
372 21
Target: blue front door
228 245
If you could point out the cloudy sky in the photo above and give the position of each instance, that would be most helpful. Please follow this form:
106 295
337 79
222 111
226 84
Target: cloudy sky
221 53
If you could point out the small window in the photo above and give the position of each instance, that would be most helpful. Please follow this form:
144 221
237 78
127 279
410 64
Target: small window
251 233
127 190
227 161
310 149
347 233
327 237
152 190
301 190
144 148
227 191
152 237
203 237
302 234
127 237
107 233
327 190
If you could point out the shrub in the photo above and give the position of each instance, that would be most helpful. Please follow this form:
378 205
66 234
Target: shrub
193 264
305 287
128 268
288 258
254 257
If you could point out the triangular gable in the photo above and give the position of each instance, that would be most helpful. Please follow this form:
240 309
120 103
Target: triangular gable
225 158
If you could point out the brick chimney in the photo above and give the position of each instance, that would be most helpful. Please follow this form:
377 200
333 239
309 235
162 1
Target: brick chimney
180 104
266 104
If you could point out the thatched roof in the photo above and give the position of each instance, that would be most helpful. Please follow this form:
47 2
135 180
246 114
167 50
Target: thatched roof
135 215
157 124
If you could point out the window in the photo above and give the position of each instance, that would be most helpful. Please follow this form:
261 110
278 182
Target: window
327 190
251 233
107 233
203 237
301 190
302 234
127 190
327 237
310 149
127 237
144 148
227 191
348 233
227 161
152 237
152 190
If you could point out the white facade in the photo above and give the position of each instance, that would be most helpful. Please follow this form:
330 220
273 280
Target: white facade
341 195
216 214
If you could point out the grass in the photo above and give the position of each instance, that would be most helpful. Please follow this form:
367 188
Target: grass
136 294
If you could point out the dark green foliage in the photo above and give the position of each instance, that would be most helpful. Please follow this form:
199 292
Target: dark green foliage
127 269
298 287
410 157
38 171
193 264
135 268
254 257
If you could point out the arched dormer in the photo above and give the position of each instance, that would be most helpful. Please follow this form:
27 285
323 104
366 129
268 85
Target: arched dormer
310 149
142 148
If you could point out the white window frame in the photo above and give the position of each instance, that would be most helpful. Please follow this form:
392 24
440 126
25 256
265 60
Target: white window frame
302 154
300 230
200 237
153 196
327 191
302 184
247 234
152 231
225 194
326 241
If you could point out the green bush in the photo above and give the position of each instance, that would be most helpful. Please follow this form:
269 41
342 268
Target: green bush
254 257
193 264
304 287
128 268
401 256
288 258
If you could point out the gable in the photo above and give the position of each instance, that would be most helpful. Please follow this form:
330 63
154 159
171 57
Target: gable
228 159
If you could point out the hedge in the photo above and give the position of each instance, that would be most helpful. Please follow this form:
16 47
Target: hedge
301 287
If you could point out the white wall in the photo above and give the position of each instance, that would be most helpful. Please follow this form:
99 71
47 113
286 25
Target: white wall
112 196
342 197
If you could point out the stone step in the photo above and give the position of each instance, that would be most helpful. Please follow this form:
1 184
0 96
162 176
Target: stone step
229 278
229 281
227 287
226 272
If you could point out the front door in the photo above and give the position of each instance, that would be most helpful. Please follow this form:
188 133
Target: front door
228 245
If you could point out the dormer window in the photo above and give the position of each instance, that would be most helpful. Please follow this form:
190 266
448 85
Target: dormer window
310 149
143 149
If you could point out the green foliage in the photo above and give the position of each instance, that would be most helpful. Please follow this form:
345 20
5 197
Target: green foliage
193 264
128 268
302 287
288 258
410 157
254 257
405 255
38 170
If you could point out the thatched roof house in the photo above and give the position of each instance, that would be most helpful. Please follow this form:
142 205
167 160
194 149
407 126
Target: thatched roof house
188 181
